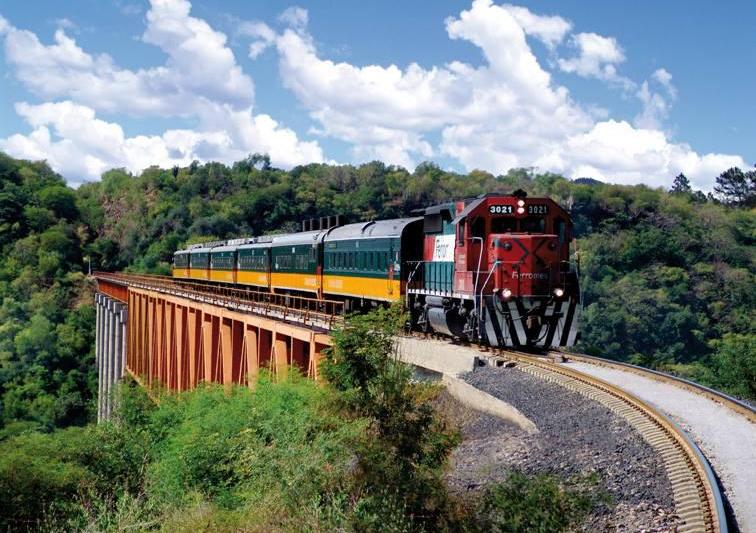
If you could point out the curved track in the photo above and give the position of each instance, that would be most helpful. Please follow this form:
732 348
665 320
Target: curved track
734 404
697 497
723 427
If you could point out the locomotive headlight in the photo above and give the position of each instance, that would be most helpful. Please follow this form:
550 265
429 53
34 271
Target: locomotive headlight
506 294
521 203
520 210
559 292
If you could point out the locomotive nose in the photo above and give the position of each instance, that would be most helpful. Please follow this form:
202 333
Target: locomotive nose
528 264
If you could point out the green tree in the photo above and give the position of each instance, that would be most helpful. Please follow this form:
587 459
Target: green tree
402 467
737 187
60 200
733 365
681 185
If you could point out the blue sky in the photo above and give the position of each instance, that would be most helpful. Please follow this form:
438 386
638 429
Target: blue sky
627 93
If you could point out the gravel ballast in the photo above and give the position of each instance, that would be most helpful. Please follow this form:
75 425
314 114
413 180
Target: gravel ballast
577 437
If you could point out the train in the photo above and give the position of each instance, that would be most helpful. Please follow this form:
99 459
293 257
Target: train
494 270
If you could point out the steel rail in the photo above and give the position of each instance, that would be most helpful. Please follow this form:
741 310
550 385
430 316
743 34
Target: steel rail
324 314
728 401
698 500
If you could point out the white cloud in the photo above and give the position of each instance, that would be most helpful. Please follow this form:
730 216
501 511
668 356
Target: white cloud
64 70
505 113
655 108
127 8
191 43
655 105
4 26
387 110
262 33
199 80
80 145
621 153
295 16
549 29
662 76
66 24
598 57
76 143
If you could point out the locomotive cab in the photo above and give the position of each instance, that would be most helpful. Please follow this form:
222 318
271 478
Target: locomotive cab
531 254
512 246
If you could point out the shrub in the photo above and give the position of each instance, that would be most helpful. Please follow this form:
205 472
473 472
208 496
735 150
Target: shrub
733 365
401 467
271 456
535 504
38 479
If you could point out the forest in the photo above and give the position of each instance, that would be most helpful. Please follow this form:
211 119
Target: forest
667 277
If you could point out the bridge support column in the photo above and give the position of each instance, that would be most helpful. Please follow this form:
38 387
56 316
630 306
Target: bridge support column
110 351
99 336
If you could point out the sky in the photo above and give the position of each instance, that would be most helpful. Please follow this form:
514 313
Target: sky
625 92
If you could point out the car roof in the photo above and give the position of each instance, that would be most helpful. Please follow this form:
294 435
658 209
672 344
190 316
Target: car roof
303 237
224 249
371 230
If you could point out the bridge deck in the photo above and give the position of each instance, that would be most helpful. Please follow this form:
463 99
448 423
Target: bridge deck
311 312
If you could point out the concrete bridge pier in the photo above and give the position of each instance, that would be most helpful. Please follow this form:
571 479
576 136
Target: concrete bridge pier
110 351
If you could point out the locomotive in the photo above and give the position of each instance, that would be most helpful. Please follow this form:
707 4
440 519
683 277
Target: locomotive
494 270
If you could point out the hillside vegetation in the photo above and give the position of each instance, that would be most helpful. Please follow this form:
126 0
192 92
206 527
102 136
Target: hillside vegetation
667 276
364 451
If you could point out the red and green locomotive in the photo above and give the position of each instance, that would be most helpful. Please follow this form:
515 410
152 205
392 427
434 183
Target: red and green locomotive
497 270
494 270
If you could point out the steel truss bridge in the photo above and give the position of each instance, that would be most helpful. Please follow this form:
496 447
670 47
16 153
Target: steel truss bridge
173 335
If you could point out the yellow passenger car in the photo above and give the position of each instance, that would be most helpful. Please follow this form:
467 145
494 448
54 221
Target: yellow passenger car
223 264
199 263
364 260
180 264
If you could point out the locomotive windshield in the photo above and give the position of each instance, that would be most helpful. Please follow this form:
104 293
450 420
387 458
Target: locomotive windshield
513 225
532 225
503 225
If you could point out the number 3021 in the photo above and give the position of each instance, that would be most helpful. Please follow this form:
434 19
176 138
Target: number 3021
500 209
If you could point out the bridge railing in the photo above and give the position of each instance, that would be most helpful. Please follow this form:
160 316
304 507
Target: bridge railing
310 311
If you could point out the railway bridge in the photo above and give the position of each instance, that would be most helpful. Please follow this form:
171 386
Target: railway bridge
171 335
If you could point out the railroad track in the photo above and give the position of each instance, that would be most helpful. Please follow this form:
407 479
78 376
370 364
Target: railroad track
731 403
698 501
